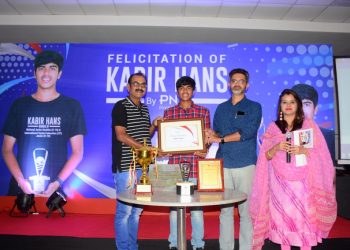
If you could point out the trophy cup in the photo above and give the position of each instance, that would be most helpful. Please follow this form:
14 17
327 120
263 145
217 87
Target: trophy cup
185 170
185 187
40 157
144 156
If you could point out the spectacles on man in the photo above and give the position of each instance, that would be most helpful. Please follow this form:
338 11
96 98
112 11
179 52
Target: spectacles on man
139 84
235 81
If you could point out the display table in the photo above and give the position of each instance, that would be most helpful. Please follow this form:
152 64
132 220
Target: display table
169 198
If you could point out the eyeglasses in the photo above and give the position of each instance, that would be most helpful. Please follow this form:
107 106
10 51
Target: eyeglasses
139 84
235 81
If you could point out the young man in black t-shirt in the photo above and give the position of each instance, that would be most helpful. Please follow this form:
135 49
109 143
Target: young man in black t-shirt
41 125
309 96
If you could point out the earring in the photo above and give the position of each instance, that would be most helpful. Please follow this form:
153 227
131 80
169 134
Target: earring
281 116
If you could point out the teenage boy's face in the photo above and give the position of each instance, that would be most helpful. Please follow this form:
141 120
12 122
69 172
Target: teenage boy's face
47 75
309 108
185 92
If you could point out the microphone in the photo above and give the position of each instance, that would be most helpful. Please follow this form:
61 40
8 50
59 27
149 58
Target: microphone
288 139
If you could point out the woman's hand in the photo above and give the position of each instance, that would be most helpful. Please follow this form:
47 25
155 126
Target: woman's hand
283 145
297 150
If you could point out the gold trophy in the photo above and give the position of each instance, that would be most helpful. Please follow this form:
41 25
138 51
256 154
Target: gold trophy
144 156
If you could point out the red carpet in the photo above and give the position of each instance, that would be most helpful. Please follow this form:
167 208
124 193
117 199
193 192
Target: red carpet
152 226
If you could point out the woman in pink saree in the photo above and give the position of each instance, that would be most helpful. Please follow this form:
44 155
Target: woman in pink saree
293 203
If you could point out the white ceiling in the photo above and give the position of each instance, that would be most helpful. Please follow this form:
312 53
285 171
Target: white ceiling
260 21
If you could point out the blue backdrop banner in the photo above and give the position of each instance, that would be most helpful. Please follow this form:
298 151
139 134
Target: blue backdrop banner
96 75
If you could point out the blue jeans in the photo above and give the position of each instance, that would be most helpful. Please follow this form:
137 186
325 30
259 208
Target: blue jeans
197 223
238 179
126 223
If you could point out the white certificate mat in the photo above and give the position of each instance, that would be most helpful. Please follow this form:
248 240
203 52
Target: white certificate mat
181 136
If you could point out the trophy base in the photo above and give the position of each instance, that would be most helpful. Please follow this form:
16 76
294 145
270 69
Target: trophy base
184 188
143 189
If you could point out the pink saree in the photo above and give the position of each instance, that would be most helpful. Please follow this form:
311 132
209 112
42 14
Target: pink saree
293 205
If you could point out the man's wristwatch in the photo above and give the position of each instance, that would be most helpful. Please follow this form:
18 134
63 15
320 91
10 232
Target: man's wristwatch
222 140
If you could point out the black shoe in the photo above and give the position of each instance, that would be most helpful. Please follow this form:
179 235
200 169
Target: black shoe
173 248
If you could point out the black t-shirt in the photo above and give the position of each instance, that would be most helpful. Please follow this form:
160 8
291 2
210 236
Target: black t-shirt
136 120
42 131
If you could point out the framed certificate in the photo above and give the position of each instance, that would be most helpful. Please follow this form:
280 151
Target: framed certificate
210 175
178 136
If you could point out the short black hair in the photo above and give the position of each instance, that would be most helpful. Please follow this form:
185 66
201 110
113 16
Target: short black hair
137 74
239 71
185 81
305 91
48 56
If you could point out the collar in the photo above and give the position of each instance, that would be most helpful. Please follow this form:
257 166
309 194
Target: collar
132 103
192 106
241 101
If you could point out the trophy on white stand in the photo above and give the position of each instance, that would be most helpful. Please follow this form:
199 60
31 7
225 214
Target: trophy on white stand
40 157
185 168
185 187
